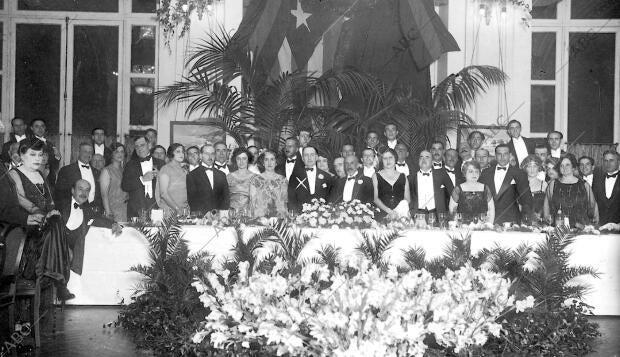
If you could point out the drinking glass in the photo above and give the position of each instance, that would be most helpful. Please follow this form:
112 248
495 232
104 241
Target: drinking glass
483 218
458 218
431 220
443 220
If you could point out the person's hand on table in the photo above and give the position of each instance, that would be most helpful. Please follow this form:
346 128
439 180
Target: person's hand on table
35 219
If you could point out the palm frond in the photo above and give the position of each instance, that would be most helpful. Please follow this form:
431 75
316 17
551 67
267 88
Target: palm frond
458 91
415 258
329 255
374 245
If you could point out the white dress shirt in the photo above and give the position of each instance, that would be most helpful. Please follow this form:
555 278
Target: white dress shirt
542 175
520 148
437 165
254 168
452 175
87 174
589 179
19 138
288 167
99 149
209 173
41 138
224 167
403 169
499 177
147 166
557 153
426 191
76 217
369 171
392 144
347 193
610 182
192 167
311 179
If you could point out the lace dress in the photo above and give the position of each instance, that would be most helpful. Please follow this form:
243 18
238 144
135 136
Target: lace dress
239 186
575 200
471 204
268 195
390 195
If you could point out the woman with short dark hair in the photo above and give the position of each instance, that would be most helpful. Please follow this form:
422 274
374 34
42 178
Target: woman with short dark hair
114 199
171 190
239 181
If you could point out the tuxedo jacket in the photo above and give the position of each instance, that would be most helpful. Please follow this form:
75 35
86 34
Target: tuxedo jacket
363 190
131 184
4 156
11 211
299 166
107 154
76 238
205 196
411 164
458 175
514 189
442 188
608 208
67 177
299 191
529 144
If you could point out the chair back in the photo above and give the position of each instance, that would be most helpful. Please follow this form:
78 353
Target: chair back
14 240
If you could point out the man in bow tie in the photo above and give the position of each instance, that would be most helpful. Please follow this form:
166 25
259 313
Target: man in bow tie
430 188
193 158
207 188
369 161
140 178
509 186
81 169
586 169
98 137
519 146
308 184
221 157
452 168
403 163
437 151
355 186
19 133
38 127
554 140
78 216
606 188
391 135
293 162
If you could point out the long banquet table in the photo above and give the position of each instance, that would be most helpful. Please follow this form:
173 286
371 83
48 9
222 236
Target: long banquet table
106 279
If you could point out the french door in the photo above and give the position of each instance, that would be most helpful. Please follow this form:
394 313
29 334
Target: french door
67 73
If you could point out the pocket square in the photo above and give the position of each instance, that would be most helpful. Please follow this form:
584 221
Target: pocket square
513 182
442 186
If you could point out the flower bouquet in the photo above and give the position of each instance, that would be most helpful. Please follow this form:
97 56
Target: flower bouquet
353 214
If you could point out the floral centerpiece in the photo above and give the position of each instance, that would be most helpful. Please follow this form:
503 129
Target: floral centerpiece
354 214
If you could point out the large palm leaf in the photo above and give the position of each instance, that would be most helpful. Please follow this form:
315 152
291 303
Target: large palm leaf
458 91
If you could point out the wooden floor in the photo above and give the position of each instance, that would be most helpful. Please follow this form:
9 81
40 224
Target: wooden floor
78 331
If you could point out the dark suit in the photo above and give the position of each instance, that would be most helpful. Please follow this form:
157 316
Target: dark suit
608 208
76 238
299 166
67 177
4 157
442 187
363 190
107 154
299 191
131 184
205 196
458 176
53 161
529 144
10 210
507 196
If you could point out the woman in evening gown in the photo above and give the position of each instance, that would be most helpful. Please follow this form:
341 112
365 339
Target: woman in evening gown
113 197
533 167
239 182
171 190
268 191
391 189
472 199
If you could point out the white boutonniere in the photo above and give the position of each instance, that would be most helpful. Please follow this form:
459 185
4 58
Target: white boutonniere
513 182
324 185
442 186
90 221
360 182
321 176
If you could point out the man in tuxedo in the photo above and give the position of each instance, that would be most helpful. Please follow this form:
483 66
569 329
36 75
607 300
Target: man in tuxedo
437 151
606 188
475 139
11 212
586 169
151 138
140 178
483 158
542 152
304 136
355 186
518 145
554 139
19 133
347 149
38 127
339 169
81 169
430 188
452 168
373 142
98 137
308 184
369 160
391 136
207 188
293 162
221 157
403 163
193 158
78 216
14 159
509 186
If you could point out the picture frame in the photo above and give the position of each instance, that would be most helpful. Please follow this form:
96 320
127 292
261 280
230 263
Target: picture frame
199 133
493 135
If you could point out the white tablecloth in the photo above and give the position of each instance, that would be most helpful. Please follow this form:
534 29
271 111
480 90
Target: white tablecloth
106 279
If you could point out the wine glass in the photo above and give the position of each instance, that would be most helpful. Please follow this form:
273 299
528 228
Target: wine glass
443 220
431 220
483 218
458 218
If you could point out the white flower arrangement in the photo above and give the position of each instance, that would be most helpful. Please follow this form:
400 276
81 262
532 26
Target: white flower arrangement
371 313
354 213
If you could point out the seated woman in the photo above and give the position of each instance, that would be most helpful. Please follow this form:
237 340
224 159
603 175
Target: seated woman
391 187
532 166
239 182
268 191
46 254
113 197
570 196
472 199
171 189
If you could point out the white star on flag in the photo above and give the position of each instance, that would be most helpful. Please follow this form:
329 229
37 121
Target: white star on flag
301 17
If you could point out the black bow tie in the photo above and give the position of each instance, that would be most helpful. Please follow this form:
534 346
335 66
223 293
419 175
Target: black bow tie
425 173
612 176
350 178
76 205
401 165
86 167
310 169
437 164
501 168
145 159
449 171
218 166
290 161
208 168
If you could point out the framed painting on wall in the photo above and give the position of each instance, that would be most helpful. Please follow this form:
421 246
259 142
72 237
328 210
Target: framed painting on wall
199 133
493 136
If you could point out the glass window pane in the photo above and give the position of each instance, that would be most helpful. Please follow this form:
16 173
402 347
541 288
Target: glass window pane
595 9
69 5
544 10
143 49
141 103
542 116
37 74
143 6
591 88
95 81
543 55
